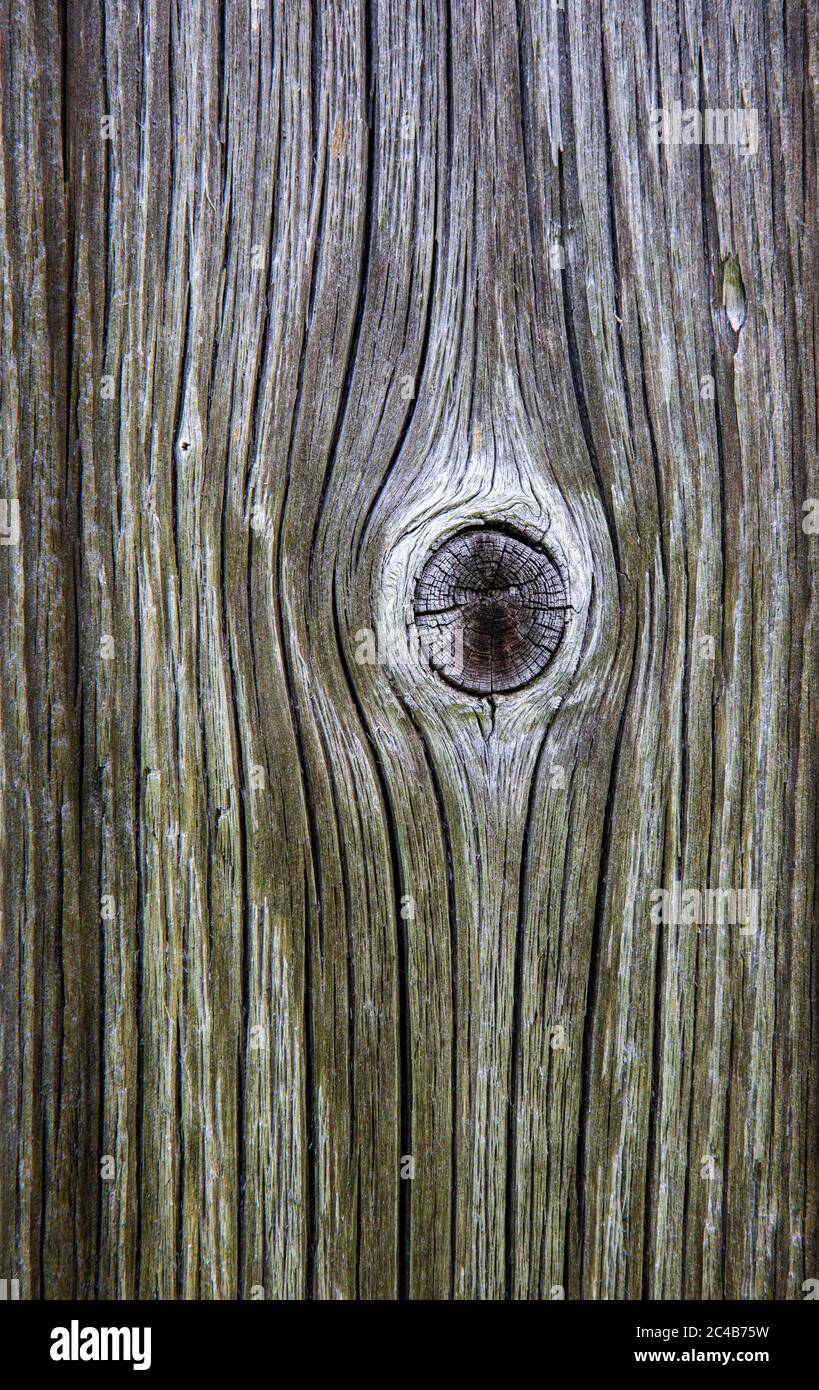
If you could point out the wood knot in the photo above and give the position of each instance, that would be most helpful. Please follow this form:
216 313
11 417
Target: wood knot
490 608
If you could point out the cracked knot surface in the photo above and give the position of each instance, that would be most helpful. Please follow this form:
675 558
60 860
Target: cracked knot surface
490 610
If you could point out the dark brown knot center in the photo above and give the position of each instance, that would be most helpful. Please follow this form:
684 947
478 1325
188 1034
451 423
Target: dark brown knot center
490 608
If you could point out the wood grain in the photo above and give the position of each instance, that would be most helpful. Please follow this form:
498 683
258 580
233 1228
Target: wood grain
320 977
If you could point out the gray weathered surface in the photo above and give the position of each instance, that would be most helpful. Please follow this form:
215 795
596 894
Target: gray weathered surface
273 917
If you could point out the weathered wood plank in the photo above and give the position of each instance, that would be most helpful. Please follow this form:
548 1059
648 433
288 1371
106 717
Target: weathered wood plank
323 975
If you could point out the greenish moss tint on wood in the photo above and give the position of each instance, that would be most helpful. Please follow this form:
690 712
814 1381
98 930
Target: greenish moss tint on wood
291 295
